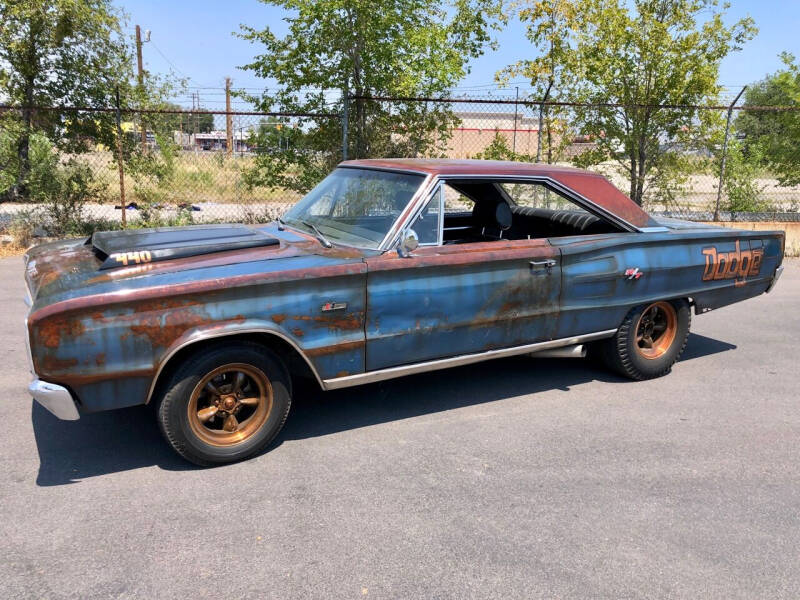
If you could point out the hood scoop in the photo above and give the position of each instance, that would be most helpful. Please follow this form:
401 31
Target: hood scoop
142 246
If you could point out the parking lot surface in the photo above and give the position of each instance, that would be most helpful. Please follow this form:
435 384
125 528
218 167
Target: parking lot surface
517 478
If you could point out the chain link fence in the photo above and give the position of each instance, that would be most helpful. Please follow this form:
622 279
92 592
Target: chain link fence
112 167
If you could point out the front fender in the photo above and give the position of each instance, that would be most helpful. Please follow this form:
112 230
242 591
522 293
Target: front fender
223 330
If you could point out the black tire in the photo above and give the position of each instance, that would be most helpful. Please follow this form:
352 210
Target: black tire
214 441
630 356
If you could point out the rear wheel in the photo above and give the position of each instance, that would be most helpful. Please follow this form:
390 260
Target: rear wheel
225 403
650 340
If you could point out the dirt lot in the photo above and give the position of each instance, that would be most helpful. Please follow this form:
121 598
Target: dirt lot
518 478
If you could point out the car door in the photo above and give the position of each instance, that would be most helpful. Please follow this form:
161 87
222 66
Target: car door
450 300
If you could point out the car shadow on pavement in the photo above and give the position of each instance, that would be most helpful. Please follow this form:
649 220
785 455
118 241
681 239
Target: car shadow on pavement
315 413
121 440
98 444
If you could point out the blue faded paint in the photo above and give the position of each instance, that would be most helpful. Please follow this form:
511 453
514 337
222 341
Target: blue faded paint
115 331
107 335
422 308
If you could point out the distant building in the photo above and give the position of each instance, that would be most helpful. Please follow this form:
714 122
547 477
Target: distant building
218 140
478 129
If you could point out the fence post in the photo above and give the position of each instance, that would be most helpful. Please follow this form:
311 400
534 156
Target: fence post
119 162
516 112
725 152
228 118
541 123
345 120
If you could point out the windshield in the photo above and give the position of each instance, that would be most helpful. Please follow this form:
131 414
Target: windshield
355 207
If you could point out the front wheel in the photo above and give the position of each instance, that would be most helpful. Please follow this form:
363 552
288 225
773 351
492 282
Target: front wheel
650 340
225 403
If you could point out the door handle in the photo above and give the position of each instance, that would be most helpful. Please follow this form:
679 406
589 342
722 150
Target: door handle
542 264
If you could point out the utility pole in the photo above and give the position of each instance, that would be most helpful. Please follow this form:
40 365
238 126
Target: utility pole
119 159
345 120
725 152
140 80
541 123
228 116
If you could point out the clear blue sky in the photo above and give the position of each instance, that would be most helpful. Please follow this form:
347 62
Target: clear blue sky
195 39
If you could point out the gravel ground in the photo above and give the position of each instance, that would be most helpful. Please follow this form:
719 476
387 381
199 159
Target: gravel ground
517 478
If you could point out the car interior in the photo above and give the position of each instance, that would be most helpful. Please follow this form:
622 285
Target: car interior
479 211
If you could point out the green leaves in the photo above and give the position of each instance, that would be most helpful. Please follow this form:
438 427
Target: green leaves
391 48
57 53
642 55
770 137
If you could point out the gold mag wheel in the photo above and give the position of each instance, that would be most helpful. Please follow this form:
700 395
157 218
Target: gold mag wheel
230 404
656 329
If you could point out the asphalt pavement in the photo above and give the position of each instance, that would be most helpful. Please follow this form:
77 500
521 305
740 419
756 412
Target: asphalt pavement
517 478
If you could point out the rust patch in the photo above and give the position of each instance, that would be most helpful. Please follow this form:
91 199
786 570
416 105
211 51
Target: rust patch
349 321
79 379
100 360
162 304
170 294
297 332
175 322
53 329
52 363
335 348
465 254
278 318
342 373
510 307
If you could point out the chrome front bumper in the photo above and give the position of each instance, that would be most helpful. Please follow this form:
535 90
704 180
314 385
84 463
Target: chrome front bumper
54 398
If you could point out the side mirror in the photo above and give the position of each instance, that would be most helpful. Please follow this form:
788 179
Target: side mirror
408 243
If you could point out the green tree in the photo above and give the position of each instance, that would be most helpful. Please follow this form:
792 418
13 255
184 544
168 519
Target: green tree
389 48
770 137
189 121
627 59
498 150
59 52
549 25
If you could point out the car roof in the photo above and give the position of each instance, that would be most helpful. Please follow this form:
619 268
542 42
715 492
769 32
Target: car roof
592 186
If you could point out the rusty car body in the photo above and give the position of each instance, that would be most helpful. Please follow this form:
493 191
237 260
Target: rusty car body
473 260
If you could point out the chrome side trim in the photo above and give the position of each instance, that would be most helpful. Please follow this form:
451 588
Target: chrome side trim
439 189
456 361
207 335
54 398
778 273
389 241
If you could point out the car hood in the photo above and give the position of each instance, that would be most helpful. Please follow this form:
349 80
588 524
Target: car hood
116 261
142 246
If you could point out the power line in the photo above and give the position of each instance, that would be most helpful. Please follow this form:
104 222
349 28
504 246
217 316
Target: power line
164 56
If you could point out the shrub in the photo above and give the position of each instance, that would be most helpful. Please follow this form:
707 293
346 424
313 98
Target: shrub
742 191
43 162
22 227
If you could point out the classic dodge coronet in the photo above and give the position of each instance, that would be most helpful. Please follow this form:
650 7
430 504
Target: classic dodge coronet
386 268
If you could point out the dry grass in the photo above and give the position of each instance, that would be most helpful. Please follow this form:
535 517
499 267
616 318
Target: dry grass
199 177
12 249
